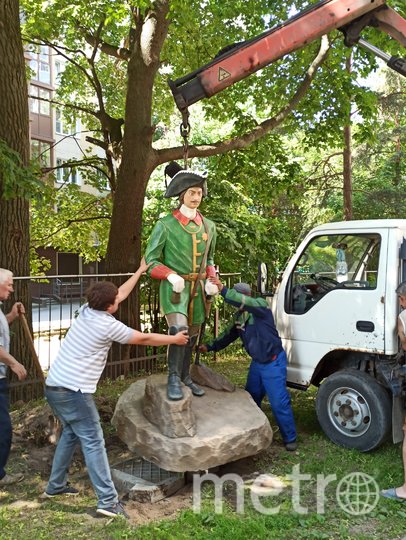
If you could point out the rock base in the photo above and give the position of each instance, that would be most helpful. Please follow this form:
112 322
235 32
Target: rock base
228 426
173 418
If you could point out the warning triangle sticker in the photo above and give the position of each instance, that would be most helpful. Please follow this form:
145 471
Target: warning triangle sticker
223 74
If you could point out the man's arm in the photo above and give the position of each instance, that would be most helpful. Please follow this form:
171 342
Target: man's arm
229 335
125 289
256 306
12 363
401 333
139 338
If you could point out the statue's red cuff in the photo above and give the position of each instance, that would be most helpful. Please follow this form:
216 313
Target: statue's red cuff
161 272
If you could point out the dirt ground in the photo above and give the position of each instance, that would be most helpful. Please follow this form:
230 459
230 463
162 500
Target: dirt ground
33 448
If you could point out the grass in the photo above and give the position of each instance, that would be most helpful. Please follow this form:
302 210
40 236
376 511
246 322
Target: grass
23 517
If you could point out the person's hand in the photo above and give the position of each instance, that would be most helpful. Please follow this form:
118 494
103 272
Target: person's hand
181 338
203 348
144 265
17 308
19 370
211 288
216 281
177 282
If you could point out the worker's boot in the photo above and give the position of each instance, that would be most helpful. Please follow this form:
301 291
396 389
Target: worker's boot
186 378
175 364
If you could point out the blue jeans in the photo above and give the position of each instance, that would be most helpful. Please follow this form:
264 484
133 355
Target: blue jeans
270 379
80 424
5 427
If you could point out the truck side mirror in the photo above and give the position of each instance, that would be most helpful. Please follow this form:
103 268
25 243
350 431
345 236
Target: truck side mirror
262 280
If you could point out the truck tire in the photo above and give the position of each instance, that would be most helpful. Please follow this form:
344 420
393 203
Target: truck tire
354 410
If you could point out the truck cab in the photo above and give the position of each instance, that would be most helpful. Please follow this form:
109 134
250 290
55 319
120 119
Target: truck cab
336 311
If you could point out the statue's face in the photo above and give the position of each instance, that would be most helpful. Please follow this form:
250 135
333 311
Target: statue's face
193 197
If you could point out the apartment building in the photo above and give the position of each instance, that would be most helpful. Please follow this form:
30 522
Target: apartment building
54 143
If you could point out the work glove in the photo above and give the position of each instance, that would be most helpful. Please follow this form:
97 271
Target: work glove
210 288
177 282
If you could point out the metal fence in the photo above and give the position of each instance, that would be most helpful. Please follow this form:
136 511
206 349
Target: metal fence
56 301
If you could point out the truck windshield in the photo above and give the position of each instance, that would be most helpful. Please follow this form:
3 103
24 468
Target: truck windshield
333 261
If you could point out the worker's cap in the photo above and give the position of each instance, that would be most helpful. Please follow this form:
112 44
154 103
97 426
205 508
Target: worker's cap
183 180
243 288
401 289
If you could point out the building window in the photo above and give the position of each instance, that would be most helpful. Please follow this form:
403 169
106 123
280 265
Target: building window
58 71
44 106
68 175
40 65
34 103
38 106
44 73
102 181
62 128
58 121
74 176
41 151
59 171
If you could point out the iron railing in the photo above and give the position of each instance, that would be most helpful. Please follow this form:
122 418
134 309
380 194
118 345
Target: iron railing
56 301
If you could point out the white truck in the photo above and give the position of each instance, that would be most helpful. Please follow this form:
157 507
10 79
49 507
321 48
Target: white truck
336 311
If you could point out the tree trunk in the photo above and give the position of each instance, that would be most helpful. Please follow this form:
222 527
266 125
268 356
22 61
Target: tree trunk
347 159
14 130
347 173
138 158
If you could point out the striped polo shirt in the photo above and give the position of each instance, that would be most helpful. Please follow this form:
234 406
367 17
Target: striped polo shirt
83 353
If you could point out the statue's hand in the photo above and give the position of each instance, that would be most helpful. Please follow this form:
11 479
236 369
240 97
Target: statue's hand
177 282
210 288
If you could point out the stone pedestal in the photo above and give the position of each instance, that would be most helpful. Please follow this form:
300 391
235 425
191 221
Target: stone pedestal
228 426
173 418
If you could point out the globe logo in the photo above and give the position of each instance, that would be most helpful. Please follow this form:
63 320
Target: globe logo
357 493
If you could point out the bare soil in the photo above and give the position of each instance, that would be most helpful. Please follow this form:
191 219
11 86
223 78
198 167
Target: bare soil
36 432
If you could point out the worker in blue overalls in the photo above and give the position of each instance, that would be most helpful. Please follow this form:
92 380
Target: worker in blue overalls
255 325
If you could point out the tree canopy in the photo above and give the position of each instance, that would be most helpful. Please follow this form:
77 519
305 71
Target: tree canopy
119 55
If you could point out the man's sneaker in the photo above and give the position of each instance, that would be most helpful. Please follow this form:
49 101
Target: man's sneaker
67 490
9 479
113 511
291 446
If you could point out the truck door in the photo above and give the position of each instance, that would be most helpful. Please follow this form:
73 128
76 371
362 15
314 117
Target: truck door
331 297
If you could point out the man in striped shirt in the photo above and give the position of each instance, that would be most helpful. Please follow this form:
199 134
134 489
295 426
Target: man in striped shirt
73 378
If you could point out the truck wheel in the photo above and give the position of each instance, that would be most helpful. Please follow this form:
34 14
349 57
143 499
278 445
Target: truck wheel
354 410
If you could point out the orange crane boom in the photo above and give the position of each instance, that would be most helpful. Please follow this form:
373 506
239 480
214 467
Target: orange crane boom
241 60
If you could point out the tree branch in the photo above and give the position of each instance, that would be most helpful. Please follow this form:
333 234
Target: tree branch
68 105
117 52
97 142
237 143
59 50
40 241
121 53
72 164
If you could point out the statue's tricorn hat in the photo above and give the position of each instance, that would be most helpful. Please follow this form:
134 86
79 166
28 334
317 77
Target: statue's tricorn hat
183 180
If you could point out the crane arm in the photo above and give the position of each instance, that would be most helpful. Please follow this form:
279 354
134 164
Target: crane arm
241 60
